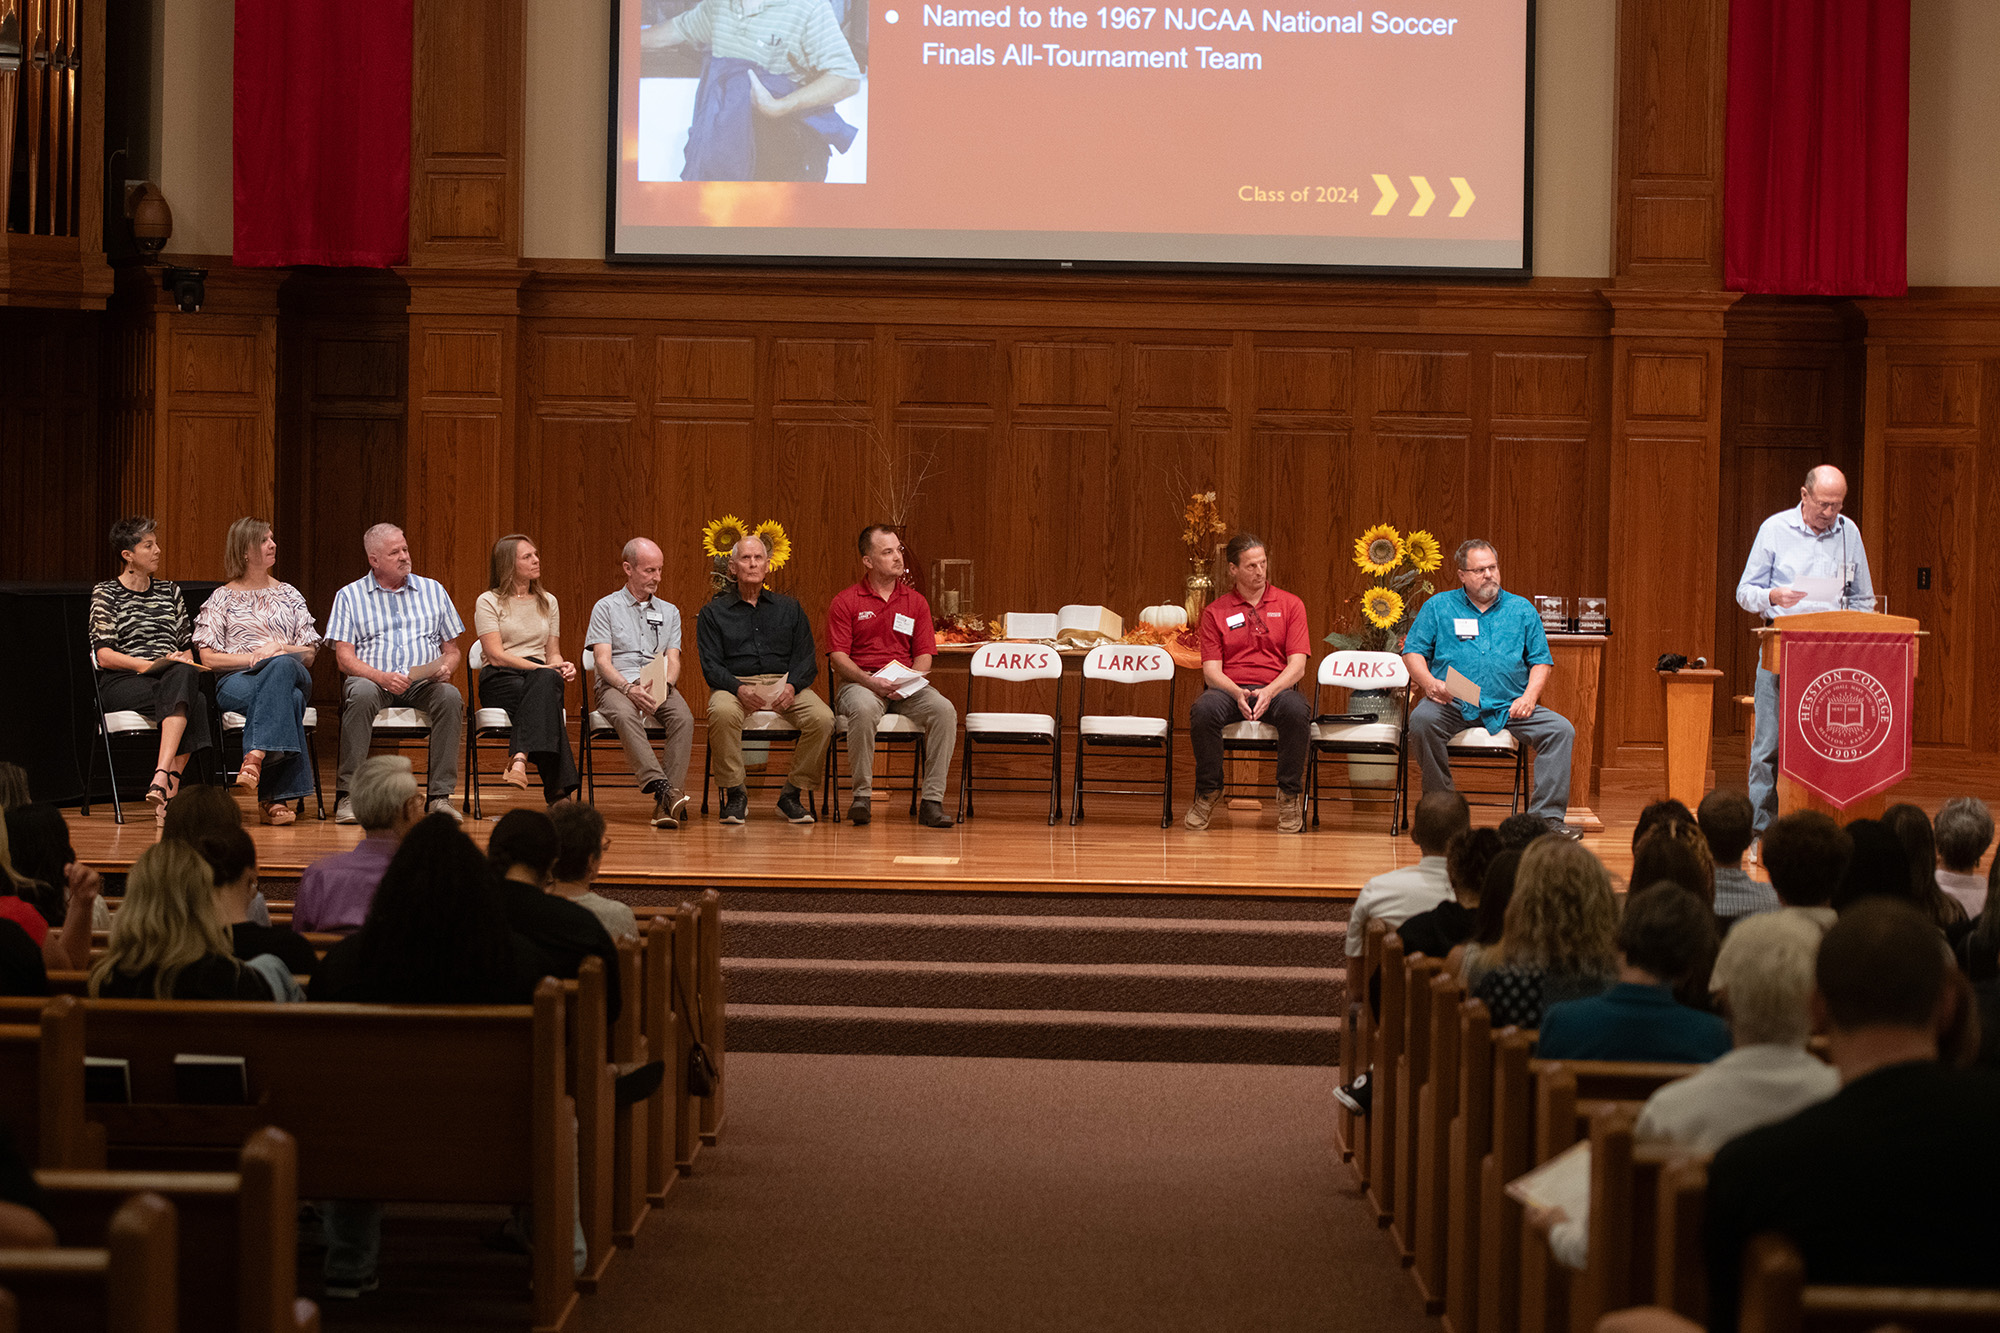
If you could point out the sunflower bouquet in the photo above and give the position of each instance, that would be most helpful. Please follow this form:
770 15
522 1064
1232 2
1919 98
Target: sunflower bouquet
722 534
1379 616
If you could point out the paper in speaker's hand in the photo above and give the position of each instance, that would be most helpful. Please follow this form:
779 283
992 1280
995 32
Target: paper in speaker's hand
653 678
902 681
1461 688
1819 590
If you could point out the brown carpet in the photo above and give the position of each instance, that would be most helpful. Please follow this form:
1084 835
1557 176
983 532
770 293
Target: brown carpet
911 1193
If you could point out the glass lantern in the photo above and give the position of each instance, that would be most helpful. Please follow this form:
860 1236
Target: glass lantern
951 586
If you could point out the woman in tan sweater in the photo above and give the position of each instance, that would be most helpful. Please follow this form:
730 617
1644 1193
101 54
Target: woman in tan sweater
518 625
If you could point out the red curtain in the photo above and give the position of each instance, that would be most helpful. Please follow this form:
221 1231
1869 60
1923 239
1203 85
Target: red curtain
322 140
1815 195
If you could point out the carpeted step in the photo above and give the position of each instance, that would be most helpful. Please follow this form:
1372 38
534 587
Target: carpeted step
1040 939
1228 906
1108 987
1043 1034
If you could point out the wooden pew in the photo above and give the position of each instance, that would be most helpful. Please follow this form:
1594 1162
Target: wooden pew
589 1080
628 1123
1499 1226
475 1095
1680 1268
1437 1109
1625 1184
1471 1140
238 1233
682 1032
1357 1053
127 1285
1776 1299
1413 1071
41 1082
1389 1030
710 1004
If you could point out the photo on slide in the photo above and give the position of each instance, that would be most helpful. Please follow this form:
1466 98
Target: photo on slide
753 90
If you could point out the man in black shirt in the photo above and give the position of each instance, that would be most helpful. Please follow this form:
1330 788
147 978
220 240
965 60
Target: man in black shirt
757 655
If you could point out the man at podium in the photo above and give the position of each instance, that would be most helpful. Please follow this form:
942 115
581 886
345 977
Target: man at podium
1805 559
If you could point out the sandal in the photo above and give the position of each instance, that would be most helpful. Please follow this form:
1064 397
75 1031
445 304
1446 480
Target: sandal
277 814
251 770
516 774
160 793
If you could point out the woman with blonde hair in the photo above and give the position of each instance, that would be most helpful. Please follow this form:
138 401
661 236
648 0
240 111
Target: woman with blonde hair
258 634
524 672
167 943
1559 941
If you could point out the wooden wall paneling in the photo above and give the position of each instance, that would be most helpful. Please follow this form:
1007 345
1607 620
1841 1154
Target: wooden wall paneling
1672 80
1299 467
468 81
1930 504
50 463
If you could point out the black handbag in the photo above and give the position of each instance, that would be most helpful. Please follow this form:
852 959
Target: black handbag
703 1078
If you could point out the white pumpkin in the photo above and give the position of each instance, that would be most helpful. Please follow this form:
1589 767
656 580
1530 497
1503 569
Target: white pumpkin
1169 614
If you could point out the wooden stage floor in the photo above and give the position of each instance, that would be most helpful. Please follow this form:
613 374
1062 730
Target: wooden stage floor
1119 848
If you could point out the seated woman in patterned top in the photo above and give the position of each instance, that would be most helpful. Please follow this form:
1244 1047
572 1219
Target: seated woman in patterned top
139 634
1558 943
260 633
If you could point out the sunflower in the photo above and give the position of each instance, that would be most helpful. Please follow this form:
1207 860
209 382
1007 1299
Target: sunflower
723 533
1423 550
1379 549
1382 606
772 534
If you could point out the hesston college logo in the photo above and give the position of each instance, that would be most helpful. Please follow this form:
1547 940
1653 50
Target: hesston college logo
1845 715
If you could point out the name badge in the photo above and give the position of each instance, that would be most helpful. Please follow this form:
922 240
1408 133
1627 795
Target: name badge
1465 627
1235 621
905 625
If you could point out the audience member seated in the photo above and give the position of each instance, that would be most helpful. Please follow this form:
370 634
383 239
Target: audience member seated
580 833
23 970
1395 896
1963 830
1806 854
1979 955
1892 1181
257 632
1676 852
202 812
1913 830
1469 961
1665 934
1981 967
1724 819
62 947
232 859
1766 974
1668 811
522 853
22 1226
1558 942
144 649
166 941
38 837
335 892
519 626
1451 923
13 786
1879 865
1518 830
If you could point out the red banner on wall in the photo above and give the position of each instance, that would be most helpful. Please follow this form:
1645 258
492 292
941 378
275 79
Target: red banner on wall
1845 703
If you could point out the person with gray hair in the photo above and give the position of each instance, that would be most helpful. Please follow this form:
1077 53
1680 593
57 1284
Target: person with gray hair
1964 830
335 891
628 630
395 635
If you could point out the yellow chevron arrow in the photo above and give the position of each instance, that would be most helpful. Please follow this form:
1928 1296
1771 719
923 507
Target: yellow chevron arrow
1424 196
1388 199
1465 197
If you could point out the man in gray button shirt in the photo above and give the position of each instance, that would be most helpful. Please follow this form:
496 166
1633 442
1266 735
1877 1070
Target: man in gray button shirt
627 630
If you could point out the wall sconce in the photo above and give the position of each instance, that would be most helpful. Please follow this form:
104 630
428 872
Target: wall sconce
152 220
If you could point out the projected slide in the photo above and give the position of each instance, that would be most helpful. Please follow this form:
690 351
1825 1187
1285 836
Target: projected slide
1391 138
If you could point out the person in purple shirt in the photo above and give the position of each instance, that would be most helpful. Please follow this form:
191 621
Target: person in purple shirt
335 891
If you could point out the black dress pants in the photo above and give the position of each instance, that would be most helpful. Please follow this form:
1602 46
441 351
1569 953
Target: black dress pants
534 699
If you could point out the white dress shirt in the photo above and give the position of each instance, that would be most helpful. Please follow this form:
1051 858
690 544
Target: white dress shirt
1394 897
1786 550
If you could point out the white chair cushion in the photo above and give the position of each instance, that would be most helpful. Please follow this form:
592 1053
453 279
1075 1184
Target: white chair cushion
412 718
1355 733
1477 738
124 721
1249 731
1116 725
235 721
891 724
1027 724
488 719
771 723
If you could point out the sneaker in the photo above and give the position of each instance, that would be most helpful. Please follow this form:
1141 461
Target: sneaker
858 811
677 804
1203 807
351 1288
663 810
1562 830
441 805
343 812
1291 812
931 815
789 807
1356 1096
638 1083
735 805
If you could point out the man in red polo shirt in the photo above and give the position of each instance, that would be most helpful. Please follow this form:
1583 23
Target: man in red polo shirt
1254 648
878 621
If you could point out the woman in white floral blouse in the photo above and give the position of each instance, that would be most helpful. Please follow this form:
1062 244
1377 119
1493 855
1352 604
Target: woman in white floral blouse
258 634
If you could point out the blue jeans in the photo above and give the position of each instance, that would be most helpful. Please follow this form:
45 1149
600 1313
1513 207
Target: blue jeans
1764 755
273 703
1549 734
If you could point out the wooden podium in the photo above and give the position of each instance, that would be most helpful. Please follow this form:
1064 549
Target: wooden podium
1690 694
1792 796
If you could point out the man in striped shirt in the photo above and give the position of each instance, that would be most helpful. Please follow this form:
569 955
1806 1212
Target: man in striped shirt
395 637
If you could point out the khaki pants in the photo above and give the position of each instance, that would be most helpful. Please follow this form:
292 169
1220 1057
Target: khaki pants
808 713
673 715
864 709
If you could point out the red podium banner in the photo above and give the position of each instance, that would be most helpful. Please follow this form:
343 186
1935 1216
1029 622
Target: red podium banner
1845 702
